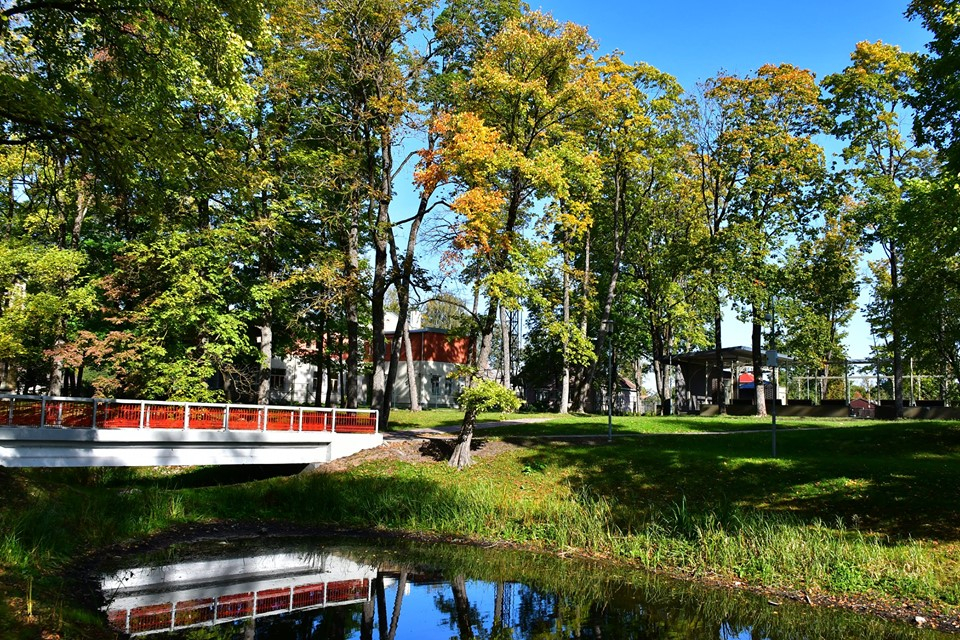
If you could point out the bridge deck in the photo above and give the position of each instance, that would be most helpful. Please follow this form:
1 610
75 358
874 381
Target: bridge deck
51 431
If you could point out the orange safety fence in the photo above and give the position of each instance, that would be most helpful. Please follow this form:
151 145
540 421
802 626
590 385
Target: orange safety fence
207 417
64 413
26 413
238 606
282 419
117 618
190 612
347 590
164 416
317 421
244 420
85 414
151 618
117 416
308 595
356 423
273 600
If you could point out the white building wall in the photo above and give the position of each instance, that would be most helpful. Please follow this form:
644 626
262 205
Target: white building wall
435 388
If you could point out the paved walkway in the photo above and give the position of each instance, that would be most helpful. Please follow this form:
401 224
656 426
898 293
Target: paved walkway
451 431
408 434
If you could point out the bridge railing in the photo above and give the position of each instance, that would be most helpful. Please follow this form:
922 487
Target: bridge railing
103 413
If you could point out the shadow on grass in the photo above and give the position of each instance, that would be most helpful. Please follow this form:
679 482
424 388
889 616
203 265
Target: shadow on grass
898 479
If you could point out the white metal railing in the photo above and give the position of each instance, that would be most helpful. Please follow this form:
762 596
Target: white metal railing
104 413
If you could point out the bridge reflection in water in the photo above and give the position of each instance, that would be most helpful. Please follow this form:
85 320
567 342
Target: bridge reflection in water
43 431
204 593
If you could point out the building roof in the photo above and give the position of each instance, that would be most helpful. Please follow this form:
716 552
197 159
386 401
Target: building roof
729 355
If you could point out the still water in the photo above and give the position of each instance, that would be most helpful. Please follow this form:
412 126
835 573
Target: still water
325 589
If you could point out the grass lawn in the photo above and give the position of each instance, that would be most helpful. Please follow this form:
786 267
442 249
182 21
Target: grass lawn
553 424
854 508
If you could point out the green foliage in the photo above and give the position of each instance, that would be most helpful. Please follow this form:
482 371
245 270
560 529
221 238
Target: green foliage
930 237
936 120
488 395
820 291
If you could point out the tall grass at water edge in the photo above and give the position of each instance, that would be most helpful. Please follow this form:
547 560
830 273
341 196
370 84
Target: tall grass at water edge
779 550
756 547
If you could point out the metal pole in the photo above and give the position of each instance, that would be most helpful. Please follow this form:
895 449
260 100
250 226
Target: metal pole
846 379
608 327
610 392
776 392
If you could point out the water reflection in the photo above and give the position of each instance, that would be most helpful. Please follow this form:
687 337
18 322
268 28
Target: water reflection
395 592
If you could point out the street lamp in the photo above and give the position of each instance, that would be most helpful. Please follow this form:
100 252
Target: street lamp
772 362
608 329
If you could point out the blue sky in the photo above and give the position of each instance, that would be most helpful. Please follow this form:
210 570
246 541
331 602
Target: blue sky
694 39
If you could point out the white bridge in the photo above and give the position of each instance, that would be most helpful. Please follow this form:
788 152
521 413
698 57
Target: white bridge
44 431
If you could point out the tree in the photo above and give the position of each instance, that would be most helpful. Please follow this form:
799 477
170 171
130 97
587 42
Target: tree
484 395
646 218
96 97
820 293
516 138
867 99
937 119
930 237
762 170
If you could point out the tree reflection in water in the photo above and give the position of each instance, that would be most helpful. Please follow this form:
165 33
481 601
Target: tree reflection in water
400 592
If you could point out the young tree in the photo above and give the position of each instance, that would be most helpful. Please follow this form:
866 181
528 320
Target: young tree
820 292
867 99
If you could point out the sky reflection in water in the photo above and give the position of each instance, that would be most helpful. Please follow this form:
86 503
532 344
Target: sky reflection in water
325 590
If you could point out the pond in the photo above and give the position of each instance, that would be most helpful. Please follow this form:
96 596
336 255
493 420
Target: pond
338 589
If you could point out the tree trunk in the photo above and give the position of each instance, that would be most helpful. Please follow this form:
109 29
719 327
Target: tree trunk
462 606
719 392
227 386
580 388
83 205
413 382
266 356
320 375
381 595
461 451
397 605
488 322
56 375
602 332
366 621
405 276
565 382
895 330
353 319
505 340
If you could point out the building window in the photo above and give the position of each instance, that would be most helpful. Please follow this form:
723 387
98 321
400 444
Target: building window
448 387
435 385
278 379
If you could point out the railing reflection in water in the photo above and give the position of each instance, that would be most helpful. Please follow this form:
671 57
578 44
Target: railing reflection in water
176 597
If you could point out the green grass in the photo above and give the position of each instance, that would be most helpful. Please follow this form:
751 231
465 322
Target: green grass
854 508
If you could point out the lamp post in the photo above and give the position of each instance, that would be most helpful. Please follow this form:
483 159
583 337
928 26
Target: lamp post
608 329
772 362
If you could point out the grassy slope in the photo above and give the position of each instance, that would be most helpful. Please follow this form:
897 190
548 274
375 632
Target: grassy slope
871 509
